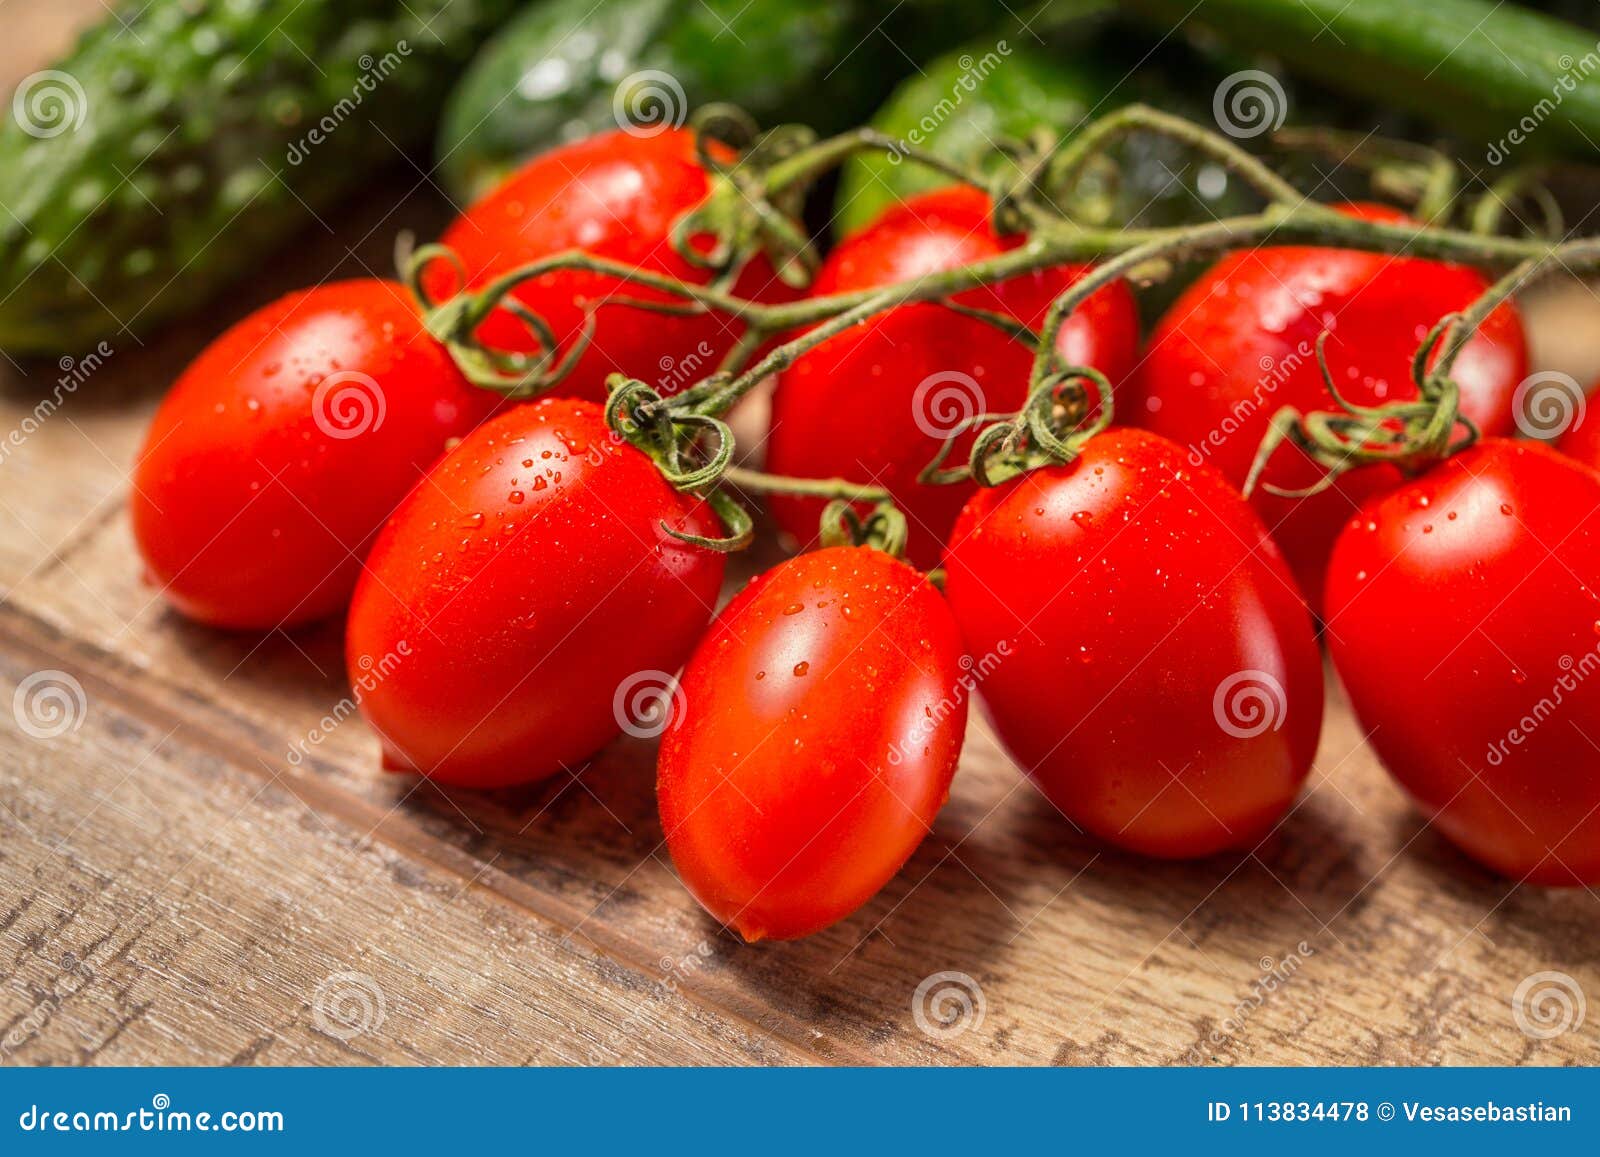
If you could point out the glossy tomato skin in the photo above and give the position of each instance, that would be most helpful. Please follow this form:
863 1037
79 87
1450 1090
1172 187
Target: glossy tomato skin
1151 632
1581 439
617 196
519 587
815 740
279 452
1240 344
857 406
1464 620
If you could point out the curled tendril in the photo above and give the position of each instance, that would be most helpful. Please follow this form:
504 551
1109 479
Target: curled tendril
1066 409
744 215
883 527
1410 435
454 322
675 440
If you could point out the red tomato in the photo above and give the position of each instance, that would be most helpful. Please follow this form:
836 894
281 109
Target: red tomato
614 195
1464 619
1240 344
818 730
1581 439
518 597
1157 673
283 447
873 404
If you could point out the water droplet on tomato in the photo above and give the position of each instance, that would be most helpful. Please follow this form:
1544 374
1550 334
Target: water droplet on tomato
471 522
801 668
794 608
515 497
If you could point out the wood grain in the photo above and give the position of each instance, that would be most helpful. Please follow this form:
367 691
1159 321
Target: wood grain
173 889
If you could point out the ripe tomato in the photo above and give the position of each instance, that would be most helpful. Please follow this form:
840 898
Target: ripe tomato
521 593
283 447
1580 430
1160 681
1240 344
875 403
1464 619
814 742
613 195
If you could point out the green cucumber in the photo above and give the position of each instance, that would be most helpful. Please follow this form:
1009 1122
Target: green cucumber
1503 80
964 102
566 68
181 142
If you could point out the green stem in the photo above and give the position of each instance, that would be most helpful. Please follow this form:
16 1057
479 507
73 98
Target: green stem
756 482
1074 156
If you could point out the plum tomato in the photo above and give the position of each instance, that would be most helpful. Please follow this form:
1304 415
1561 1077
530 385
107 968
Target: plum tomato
614 195
282 448
1161 682
1464 620
814 741
875 403
1579 429
1240 344
519 593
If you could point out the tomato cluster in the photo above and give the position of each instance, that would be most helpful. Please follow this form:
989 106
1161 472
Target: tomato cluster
1136 627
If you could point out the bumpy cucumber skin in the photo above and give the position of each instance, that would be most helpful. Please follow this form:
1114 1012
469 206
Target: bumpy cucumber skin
178 179
552 74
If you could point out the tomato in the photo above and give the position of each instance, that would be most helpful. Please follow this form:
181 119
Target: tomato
517 597
814 742
1240 344
1580 433
1464 619
282 448
1150 661
614 195
875 403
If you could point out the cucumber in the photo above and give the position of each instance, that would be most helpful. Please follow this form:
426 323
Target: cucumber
965 101
564 68
181 142
1481 70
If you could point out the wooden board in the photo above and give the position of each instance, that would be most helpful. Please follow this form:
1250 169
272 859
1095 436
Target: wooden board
174 890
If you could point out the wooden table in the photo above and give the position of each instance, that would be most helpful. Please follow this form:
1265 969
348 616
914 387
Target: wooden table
173 890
